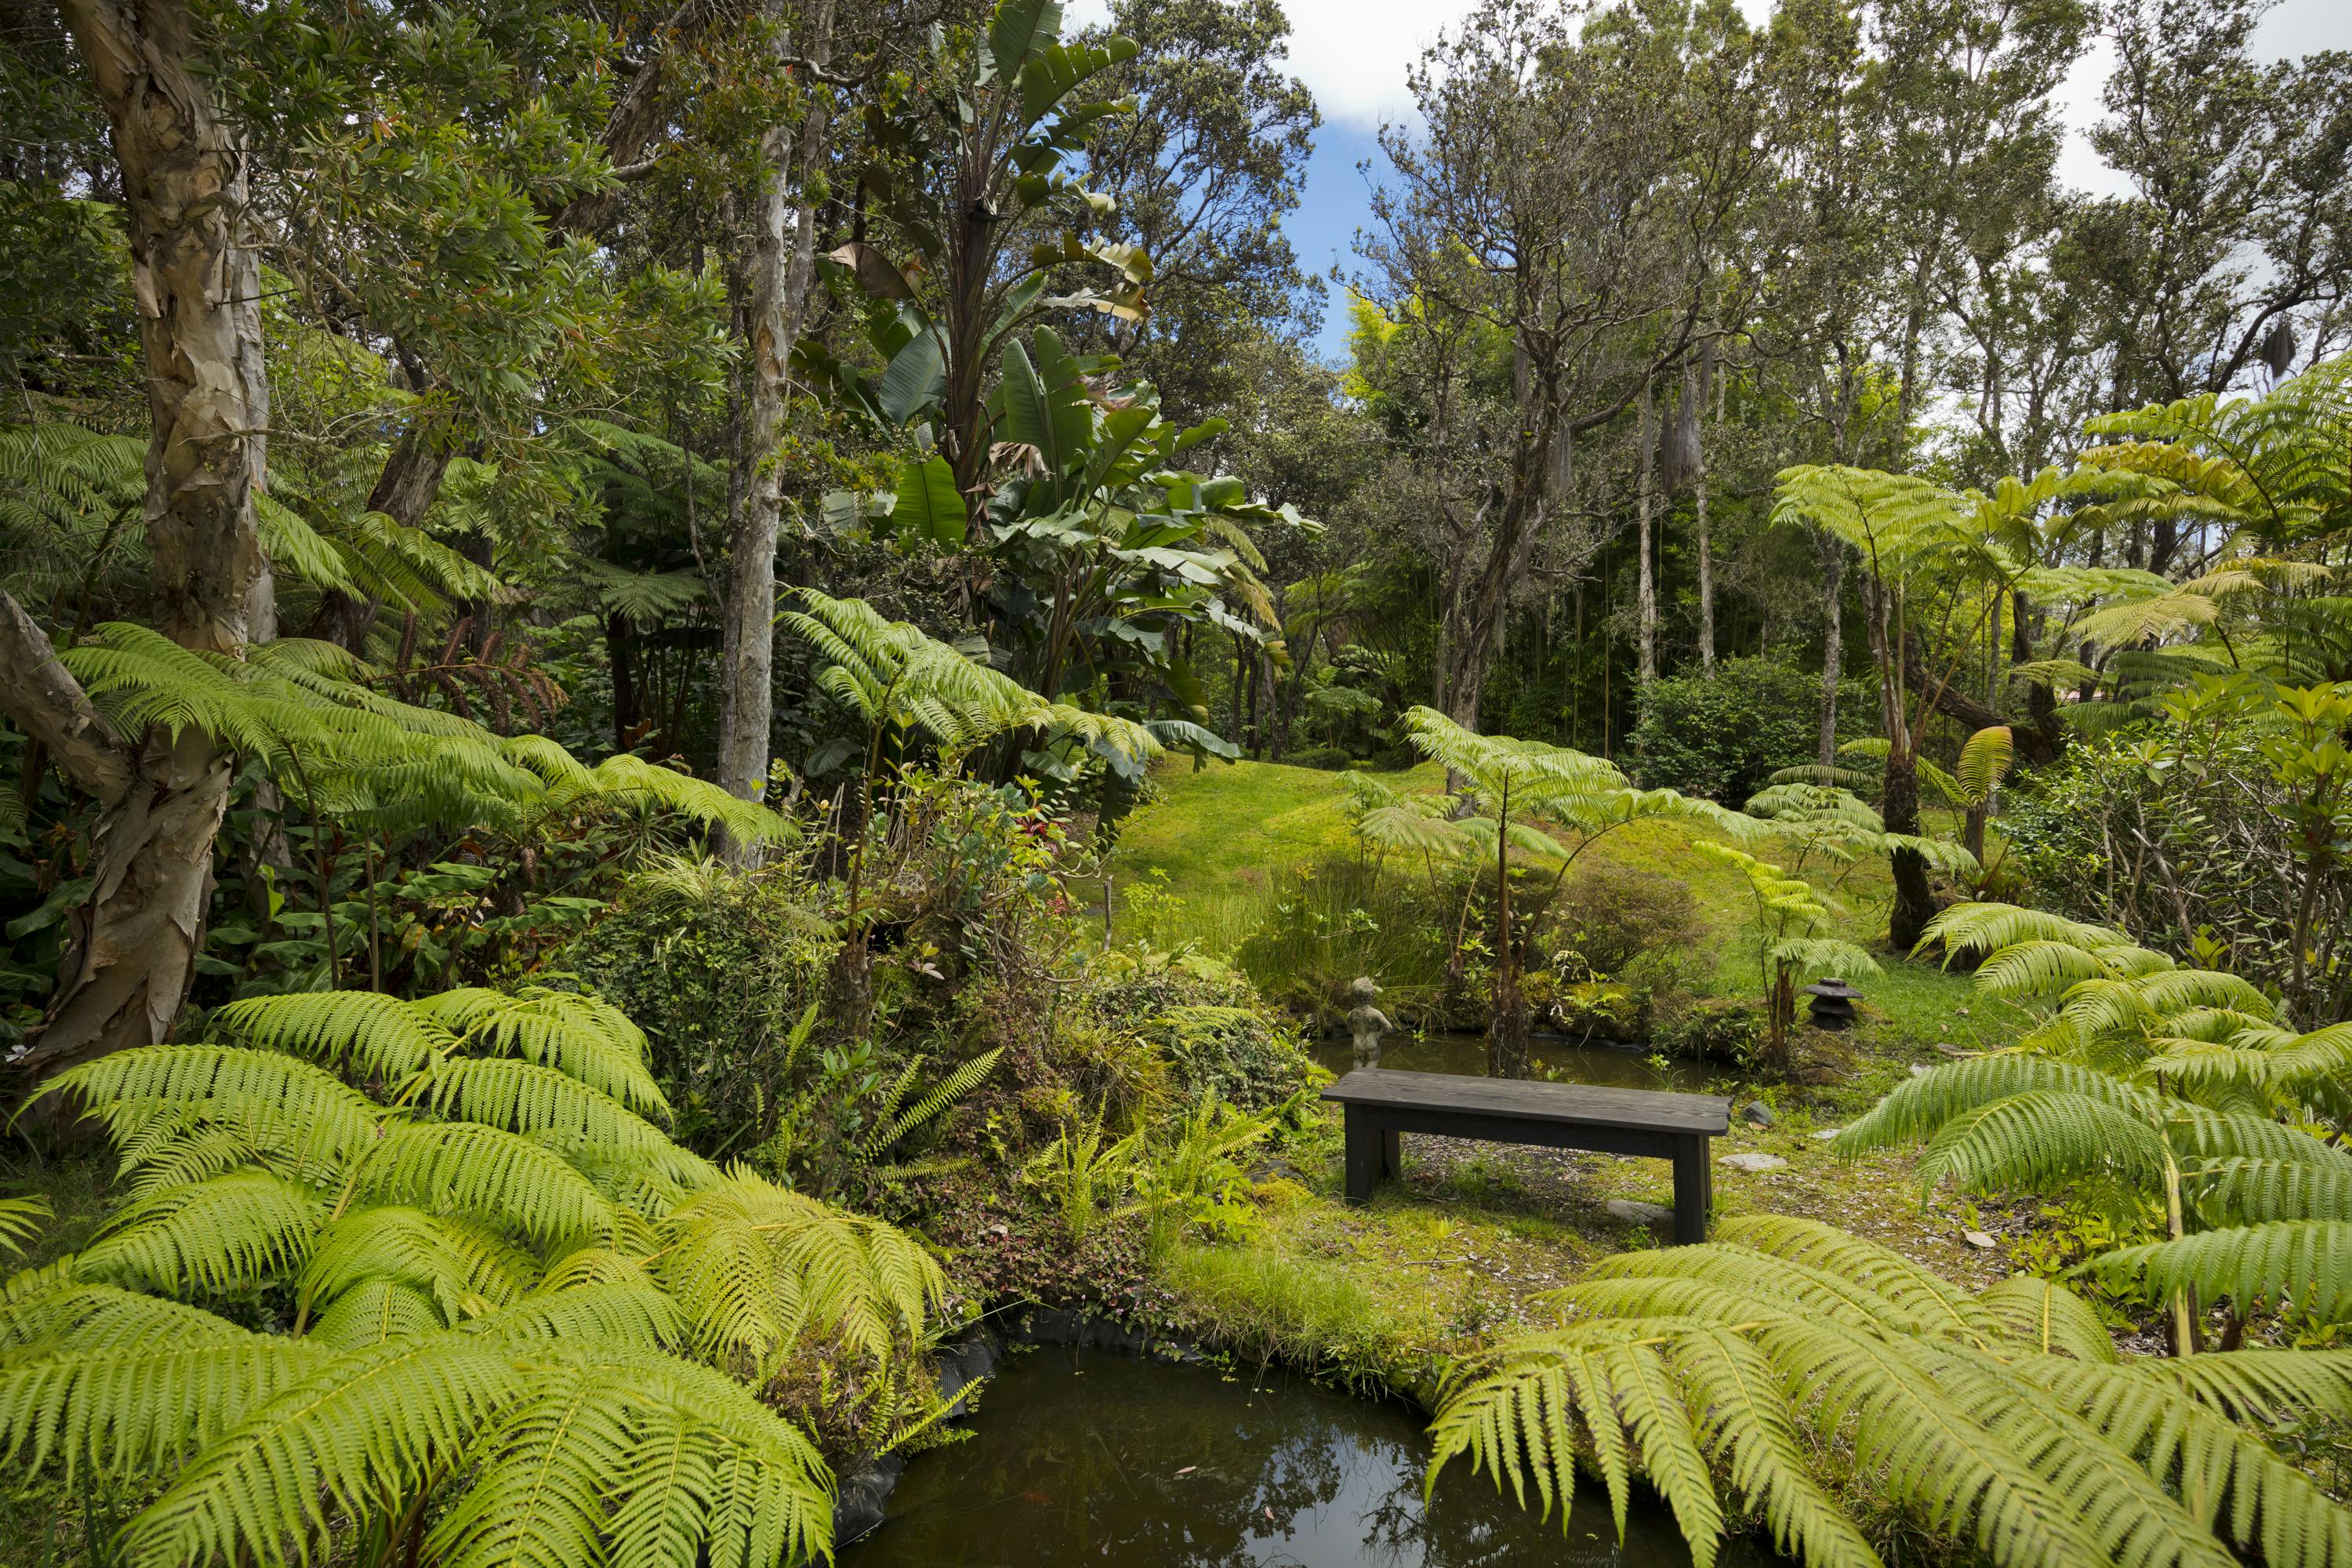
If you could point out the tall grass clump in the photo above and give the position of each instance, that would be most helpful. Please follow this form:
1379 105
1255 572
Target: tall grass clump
1265 1305
1342 916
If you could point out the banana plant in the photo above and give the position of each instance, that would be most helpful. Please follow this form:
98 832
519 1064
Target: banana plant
958 173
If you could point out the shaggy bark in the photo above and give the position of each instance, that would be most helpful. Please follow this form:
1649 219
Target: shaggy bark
1646 668
1833 559
131 950
1706 582
783 250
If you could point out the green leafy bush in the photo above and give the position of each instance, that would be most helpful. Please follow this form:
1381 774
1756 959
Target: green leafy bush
1608 916
1724 736
1719 1031
1213 1030
717 967
2199 832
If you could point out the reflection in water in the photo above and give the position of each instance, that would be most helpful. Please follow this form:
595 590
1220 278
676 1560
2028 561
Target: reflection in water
1082 1458
1466 1054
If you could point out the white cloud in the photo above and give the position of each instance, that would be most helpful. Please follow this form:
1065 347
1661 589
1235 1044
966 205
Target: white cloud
1354 54
1351 53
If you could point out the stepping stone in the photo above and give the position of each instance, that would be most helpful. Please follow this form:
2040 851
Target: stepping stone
1754 1160
1978 1240
1635 1212
1823 1134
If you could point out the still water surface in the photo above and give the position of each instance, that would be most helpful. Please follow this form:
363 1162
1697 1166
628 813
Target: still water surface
1084 1458
1466 1054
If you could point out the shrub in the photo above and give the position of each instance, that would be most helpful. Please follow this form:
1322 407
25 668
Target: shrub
1329 758
716 968
1723 1031
1608 916
1212 1029
1724 736
2195 832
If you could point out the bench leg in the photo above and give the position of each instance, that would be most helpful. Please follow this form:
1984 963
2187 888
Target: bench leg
1694 1190
1363 1155
1392 1159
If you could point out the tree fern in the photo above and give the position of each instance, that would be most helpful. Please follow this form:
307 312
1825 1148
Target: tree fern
493 1280
1818 1371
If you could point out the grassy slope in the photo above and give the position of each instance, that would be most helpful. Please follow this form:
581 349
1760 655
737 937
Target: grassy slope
1216 835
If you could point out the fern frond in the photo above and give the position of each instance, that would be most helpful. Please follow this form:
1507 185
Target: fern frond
2303 1263
2042 1138
20 1218
628 1458
2249 1191
1918 1108
361 1427
130 1386
461 1267
550 1107
577 1034
362 1032
488 1172
235 1231
939 1098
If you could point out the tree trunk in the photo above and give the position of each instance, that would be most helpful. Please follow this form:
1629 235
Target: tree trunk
1833 559
784 249
1646 609
1705 583
1898 804
130 954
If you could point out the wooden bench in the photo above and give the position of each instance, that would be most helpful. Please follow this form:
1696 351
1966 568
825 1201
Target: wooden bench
1382 1103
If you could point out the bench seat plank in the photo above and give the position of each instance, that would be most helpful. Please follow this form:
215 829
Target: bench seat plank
1532 1099
1380 1103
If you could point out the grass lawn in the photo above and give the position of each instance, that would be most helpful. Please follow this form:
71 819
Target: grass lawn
1214 840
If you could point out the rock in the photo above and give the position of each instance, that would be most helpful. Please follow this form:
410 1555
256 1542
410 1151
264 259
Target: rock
1918 1069
1978 1239
1756 1113
1823 1134
1754 1160
861 1503
1635 1212
963 1364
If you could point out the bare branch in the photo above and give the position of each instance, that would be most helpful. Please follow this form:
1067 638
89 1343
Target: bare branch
42 696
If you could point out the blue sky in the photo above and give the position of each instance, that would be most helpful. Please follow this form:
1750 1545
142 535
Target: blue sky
1354 54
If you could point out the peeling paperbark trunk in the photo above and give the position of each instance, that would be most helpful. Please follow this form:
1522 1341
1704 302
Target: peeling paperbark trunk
1646 609
1706 584
783 250
1833 559
130 956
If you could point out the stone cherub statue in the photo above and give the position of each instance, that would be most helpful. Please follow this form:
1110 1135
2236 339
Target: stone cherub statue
1366 1022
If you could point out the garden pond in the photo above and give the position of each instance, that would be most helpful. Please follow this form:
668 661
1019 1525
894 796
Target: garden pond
1084 1458
1556 1056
